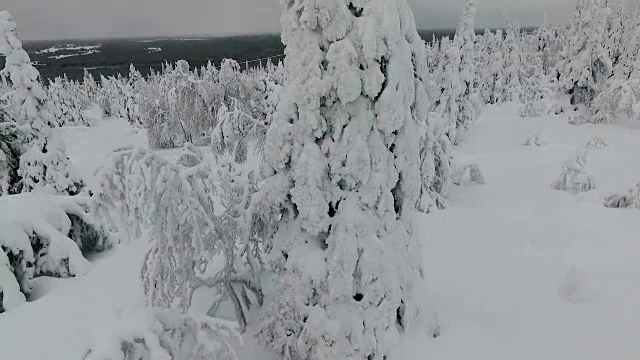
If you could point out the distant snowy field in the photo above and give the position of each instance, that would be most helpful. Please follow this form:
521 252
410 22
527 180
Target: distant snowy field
516 270
69 50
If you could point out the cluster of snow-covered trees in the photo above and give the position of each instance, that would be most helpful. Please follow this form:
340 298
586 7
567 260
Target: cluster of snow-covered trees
45 232
284 195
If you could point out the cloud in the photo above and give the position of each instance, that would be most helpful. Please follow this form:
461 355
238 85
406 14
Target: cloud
64 19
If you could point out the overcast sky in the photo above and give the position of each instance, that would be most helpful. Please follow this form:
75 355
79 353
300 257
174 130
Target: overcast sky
70 19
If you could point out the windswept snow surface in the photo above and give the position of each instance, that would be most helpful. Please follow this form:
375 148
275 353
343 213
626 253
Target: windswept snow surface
89 147
516 270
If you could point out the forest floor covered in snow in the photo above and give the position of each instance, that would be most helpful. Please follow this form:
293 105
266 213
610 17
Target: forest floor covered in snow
515 269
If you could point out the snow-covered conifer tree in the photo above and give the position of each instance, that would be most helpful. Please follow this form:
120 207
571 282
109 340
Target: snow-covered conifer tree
89 89
490 65
620 96
469 99
508 78
132 93
342 173
616 26
44 166
586 64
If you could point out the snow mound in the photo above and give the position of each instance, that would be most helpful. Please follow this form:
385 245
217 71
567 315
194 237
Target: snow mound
42 235
166 335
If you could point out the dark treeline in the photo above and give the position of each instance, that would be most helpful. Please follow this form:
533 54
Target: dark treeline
115 55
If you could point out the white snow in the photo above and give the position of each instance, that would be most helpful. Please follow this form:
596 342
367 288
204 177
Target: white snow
68 47
89 52
88 147
515 269
518 270
70 50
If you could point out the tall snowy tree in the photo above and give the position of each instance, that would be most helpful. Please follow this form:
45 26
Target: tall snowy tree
44 166
616 26
620 97
342 177
469 99
508 78
586 64
490 66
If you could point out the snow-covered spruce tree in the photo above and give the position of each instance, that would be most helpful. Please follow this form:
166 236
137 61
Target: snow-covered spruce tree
616 25
548 42
44 166
490 67
445 90
469 99
535 88
132 96
342 173
620 98
65 103
508 85
88 90
585 64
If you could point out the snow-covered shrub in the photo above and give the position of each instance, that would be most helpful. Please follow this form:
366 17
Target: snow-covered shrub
156 334
342 174
42 235
199 220
577 120
66 104
533 139
629 200
597 144
471 172
619 100
45 167
234 130
575 177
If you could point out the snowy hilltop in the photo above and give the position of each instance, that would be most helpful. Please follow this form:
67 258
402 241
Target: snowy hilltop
373 196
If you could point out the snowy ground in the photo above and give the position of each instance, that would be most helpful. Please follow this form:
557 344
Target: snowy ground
516 270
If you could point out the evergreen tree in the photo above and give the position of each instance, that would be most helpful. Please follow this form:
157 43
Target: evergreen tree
342 177
468 99
586 64
508 86
44 166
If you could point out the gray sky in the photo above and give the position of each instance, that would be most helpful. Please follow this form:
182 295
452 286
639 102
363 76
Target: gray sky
64 19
